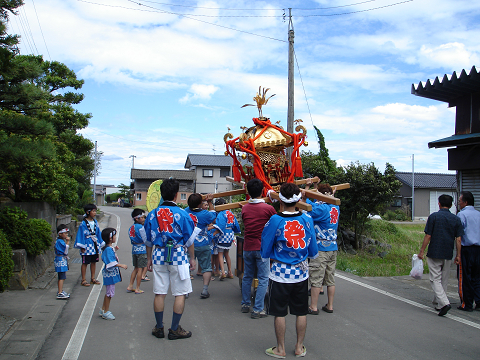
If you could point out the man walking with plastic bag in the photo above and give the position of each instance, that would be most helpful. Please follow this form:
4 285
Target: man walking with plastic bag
442 231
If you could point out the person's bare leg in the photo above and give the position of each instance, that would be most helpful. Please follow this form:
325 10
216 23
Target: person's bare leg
159 302
179 304
280 327
330 294
315 293
93 266
60 286
301 326
144 272
220 263
229 262
84 271
139 279
206 277
132 279
106 303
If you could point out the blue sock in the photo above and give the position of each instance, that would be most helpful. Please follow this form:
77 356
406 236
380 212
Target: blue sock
159 319
175 321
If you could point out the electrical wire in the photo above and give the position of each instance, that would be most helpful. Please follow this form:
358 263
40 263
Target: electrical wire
185 16
22 31
41 31
29 29
356 12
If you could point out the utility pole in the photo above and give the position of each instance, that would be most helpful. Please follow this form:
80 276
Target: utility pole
133 160
95 175
413 187
291 79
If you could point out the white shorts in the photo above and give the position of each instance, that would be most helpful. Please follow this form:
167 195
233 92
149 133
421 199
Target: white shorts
167 275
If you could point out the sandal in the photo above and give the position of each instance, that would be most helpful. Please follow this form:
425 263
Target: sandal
94 282
85 283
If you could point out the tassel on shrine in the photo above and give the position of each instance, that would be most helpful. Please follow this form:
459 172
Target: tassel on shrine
236 174
298 167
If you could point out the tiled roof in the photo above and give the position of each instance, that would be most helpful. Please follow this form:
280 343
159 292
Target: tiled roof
162 174
208 160
428 180
447 89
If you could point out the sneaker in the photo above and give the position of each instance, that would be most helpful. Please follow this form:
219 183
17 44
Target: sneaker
258 314
108 316
158 332
180 333
146 278
245 308
63 296
204 295
101 312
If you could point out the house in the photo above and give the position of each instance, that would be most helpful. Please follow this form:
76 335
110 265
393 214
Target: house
141 180
101 191
210 172
428 187
463 93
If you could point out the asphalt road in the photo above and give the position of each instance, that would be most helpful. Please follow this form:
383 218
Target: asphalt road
371 320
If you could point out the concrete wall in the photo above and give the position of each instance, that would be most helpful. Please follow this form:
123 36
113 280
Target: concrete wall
205 185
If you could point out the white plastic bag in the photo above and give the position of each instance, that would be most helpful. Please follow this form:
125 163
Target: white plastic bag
417 267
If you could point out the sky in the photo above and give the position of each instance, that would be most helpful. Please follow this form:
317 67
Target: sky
165 79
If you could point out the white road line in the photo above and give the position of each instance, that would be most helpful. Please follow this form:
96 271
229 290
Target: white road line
76 340
386 293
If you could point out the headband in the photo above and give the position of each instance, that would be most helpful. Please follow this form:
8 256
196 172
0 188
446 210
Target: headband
63 231
114 232
138 216
295 198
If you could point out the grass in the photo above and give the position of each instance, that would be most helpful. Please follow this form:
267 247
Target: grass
405 239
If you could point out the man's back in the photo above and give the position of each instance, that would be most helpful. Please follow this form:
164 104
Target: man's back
470 219
255 216
443 227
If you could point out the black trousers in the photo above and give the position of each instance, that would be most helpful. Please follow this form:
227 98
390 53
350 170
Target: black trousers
470 276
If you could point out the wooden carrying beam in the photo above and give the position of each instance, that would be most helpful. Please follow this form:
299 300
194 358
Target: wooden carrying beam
232 180
340 186
322 197
301 205
227 193
304 181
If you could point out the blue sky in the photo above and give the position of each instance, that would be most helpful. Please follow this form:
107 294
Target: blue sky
160 85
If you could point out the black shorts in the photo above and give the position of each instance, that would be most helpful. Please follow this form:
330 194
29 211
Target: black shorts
282 296
87 259
62 275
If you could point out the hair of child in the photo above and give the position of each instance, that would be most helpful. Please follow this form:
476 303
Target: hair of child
137 212
107 236
62 227
288 190
194 201
325 188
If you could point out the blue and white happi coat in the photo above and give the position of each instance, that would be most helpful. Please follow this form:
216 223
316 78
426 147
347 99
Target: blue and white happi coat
111 272
227 224
289 239
87 238
166 223
201 218
61 258
325 219
137 238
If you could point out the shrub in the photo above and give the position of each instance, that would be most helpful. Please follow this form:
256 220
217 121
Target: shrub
33 235
6 262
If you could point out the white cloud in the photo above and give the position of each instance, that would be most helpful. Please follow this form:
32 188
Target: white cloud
199 91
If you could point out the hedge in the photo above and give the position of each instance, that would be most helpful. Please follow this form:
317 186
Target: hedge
6 262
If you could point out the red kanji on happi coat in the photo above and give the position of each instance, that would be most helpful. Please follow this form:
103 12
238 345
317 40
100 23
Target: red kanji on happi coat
194 218
295 234
333 215
131 231
230 217
165 220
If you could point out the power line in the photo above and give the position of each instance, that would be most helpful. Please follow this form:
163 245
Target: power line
41 31
358 11
22 31
185 16
27 25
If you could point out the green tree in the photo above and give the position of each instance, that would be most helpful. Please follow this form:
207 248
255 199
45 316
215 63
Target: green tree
125 191
43 156
369 192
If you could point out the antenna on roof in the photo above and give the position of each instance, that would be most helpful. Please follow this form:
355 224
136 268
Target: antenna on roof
213 149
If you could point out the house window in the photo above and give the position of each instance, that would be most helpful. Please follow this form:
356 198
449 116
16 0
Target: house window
139 196
183 196
207 172
397 202
224 172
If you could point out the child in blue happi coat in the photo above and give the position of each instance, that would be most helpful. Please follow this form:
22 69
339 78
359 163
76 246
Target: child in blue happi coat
111 272
61 259
226 226
139 250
